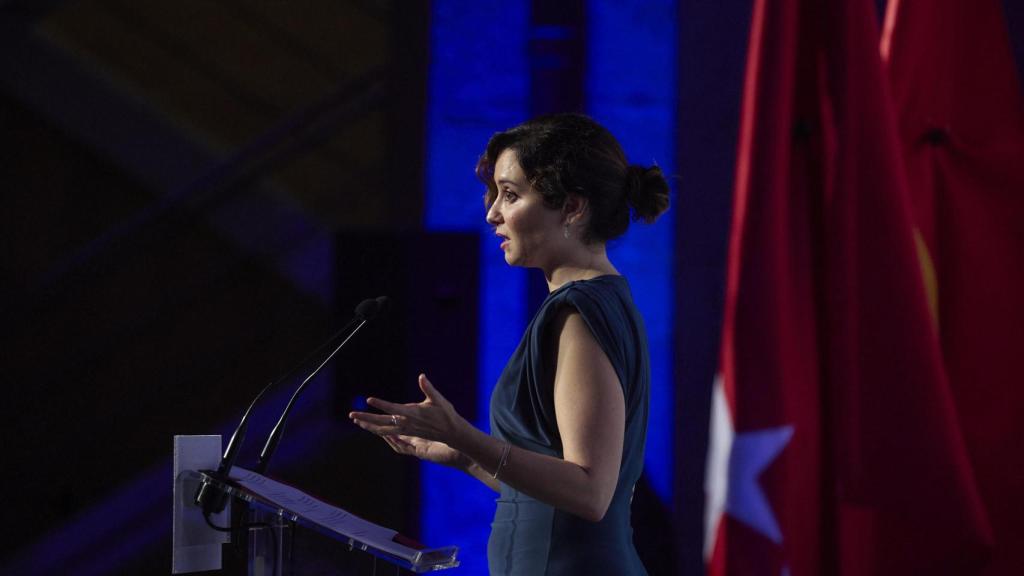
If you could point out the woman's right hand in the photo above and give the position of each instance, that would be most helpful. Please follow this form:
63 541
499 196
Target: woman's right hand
429 450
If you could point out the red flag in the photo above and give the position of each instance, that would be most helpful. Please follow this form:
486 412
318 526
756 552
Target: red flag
835 446
961 116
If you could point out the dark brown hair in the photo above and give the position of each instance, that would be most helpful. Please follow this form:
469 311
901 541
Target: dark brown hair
565 154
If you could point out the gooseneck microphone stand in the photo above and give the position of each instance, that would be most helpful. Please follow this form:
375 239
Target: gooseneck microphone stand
214 501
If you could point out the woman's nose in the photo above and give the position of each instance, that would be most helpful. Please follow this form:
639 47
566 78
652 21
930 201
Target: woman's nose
493 214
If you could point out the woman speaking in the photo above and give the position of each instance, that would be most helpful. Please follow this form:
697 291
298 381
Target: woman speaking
569 412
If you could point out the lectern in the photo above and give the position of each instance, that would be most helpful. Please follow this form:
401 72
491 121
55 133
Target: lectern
270 514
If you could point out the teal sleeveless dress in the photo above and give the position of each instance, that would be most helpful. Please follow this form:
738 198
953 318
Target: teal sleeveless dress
528 537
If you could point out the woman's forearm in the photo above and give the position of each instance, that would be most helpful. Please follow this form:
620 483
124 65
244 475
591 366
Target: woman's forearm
560 483
476 471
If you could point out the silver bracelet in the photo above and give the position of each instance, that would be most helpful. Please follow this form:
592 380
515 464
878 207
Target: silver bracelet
504 460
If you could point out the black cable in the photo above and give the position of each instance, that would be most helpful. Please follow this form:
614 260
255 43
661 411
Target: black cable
206 516
250 525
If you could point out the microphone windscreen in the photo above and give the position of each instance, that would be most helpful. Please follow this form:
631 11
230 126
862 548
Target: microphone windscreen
367 309
370 307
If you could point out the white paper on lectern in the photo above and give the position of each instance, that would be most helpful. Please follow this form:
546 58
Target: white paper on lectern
321 513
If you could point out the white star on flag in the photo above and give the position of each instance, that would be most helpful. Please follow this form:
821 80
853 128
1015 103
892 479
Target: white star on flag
734 464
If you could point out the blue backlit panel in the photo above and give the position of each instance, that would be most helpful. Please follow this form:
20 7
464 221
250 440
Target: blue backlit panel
479 84
631 89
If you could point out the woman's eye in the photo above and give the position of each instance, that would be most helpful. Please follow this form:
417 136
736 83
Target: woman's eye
510 196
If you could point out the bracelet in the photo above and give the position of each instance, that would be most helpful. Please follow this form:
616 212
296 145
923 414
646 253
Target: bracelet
504 460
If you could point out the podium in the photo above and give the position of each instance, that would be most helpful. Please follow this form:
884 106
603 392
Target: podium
269 516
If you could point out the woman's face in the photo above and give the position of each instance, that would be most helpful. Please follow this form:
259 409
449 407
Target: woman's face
529 230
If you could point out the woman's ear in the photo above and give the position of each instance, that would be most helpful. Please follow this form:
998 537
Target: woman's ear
574 209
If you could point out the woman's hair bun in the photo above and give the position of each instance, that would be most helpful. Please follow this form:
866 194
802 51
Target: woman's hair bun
646 192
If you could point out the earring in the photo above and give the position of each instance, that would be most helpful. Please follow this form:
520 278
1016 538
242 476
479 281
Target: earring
565 231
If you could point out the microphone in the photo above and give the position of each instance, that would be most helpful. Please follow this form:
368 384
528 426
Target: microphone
369 308
366 311
213 501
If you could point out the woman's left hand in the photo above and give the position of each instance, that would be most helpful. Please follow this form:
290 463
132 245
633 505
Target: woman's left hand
429 450
432 419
